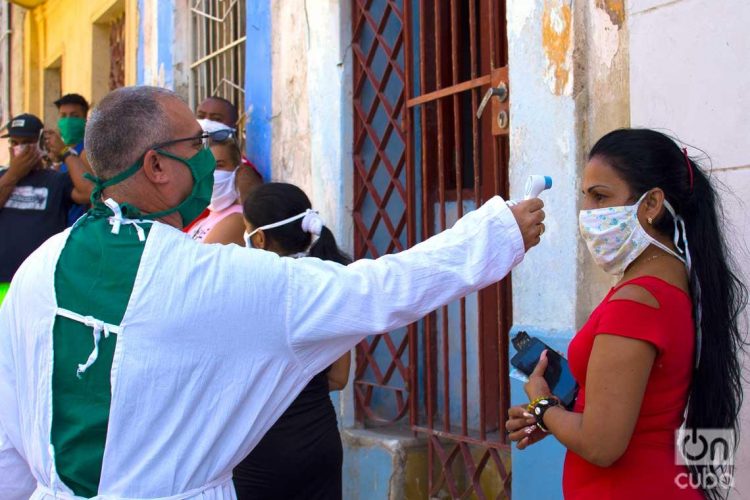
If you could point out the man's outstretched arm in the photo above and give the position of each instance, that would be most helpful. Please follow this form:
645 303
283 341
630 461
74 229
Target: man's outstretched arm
330 308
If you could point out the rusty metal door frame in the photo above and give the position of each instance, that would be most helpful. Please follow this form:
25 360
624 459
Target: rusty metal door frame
457 52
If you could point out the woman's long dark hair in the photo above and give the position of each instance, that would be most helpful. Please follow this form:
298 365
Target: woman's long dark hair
647 159
276 201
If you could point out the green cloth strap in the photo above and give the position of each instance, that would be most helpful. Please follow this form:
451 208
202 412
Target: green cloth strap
128 209
94 277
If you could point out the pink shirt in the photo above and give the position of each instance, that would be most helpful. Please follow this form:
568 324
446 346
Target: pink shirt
204 226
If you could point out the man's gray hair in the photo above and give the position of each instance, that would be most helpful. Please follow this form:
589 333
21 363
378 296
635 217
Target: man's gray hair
124 125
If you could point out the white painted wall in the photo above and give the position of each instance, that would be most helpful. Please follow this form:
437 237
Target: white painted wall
312 110
689 75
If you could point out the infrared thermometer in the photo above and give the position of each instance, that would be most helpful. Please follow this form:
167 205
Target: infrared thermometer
535 184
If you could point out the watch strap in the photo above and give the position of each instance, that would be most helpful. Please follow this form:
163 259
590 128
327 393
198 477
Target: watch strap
539 407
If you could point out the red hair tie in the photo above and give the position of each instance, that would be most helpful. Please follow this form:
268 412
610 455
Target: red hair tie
689 167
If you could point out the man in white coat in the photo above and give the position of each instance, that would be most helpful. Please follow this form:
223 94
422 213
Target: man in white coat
138 364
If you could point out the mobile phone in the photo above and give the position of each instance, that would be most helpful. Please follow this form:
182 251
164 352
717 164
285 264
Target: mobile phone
558 375
42 146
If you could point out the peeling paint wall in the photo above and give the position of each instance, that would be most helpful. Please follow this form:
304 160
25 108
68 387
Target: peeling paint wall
568 72
557 41
291 130
603 97
312 116
543 141
312 125
155 47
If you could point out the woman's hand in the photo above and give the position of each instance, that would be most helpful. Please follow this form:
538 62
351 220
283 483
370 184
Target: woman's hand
537 386
522 428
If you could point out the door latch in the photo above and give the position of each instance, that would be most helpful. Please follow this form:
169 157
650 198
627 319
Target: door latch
501 92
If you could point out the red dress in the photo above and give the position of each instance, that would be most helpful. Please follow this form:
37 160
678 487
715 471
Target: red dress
647 469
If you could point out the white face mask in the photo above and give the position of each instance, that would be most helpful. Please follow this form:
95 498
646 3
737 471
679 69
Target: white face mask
225 192
615 237
311 223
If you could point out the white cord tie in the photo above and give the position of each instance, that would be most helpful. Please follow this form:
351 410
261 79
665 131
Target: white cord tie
98 326
117 220
311 223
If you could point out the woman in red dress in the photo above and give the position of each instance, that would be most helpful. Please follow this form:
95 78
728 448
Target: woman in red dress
652 356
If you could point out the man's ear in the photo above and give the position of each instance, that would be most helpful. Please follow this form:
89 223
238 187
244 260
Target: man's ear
153 168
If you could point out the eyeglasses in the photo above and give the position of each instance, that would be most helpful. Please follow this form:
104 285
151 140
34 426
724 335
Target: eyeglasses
205 138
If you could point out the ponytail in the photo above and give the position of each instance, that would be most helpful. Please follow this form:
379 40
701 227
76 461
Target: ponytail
325 248
275 201
716 392
646 159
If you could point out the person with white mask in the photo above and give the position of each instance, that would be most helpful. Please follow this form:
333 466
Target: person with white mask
223 223
301 456
660 354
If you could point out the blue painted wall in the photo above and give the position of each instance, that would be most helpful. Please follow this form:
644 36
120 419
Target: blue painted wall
258 85
164 40
537 470
366 472
165 23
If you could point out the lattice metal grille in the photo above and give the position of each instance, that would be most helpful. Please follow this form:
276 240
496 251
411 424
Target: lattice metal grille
382 189
218 37
420 161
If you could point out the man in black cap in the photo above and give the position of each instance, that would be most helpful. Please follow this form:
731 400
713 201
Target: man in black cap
34 201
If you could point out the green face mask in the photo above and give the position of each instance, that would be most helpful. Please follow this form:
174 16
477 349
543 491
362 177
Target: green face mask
201 165
71 129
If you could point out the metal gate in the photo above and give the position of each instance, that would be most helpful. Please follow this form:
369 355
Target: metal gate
421 159
218 55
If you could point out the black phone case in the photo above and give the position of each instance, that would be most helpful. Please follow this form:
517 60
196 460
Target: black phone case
557 367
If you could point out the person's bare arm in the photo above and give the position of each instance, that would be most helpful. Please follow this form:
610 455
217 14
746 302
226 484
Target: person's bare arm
19 167
617 376
228 230
82 187
77 166
338 375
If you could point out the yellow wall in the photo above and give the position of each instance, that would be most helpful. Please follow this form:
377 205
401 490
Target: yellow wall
64 39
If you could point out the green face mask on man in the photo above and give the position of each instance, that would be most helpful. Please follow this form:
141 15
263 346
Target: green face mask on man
201 165
71 129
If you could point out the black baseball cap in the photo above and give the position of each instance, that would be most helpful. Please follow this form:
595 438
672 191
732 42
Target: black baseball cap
25 125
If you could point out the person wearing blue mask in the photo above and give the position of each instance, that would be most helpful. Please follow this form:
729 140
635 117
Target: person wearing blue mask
138 363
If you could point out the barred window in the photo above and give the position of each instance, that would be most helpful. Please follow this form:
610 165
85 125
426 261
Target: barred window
218 52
